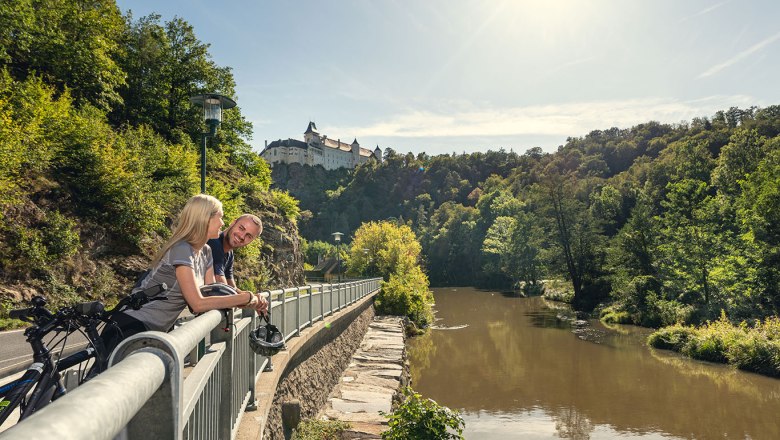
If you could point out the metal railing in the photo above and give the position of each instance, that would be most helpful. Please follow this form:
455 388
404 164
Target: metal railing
192 383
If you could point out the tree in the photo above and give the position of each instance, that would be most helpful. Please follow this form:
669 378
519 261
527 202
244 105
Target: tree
759 214
577 240
388 247
690 239
737 159
71 44
392 251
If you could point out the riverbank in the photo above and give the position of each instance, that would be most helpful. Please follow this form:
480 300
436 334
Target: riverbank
755 349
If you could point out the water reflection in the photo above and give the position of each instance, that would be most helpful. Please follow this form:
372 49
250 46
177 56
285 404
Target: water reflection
518 365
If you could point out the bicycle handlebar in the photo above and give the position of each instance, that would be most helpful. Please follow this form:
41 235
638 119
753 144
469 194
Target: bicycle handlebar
47 320
89 308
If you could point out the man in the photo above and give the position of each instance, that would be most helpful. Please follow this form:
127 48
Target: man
240 233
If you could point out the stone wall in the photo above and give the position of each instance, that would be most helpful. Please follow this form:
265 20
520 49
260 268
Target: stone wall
316 370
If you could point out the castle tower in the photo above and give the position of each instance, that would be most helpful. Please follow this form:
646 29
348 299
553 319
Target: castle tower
311 135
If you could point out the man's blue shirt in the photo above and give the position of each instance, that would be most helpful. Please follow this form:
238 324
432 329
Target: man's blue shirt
223 262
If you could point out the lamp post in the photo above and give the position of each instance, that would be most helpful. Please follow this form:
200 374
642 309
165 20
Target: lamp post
212 104
337 239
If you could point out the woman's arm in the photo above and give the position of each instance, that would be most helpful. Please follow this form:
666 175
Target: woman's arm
199 303
210 278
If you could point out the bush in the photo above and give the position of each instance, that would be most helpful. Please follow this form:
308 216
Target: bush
312 429
671 338
286 204
756 354
612 315
665 312
406 294
754 349
418 418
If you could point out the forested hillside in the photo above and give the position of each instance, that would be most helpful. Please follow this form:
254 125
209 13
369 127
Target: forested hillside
99 151
664 222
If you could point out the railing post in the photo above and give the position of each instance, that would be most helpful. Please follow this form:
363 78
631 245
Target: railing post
297 311
252 404
283 323
322 301
222 333
330 311
311 306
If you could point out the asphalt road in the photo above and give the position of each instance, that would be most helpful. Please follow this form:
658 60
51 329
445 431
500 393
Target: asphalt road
16 354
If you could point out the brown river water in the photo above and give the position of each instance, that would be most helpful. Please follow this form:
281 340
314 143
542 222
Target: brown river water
519 368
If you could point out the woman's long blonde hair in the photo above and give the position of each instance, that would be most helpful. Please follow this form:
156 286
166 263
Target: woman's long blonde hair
192 224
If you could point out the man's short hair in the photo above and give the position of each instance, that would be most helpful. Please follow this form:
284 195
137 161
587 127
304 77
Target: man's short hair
255 219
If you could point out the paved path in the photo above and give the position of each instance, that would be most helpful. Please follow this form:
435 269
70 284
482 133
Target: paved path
374 375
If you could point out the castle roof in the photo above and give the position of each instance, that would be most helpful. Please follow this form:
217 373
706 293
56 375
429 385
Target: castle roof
287 143
312 128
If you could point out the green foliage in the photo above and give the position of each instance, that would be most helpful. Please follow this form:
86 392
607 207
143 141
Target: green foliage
32 122
7 323
611 315
98 144
313 429
32 250
671 338
406 294
286 204
755 349
314 250
119 180
383 249
558 290
423 419
392 252
73 45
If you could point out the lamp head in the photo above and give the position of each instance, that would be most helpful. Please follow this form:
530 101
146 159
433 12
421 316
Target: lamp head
213 104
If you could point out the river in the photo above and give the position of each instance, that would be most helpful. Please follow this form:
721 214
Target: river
519 368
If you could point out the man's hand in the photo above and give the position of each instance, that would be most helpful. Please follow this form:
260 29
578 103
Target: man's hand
262 303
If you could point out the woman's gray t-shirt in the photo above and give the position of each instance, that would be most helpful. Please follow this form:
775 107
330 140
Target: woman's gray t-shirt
161 314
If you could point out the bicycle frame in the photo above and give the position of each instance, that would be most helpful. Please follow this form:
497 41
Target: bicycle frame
42 382
42 377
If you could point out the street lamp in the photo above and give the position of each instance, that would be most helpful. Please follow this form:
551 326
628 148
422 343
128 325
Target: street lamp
212 104
337 239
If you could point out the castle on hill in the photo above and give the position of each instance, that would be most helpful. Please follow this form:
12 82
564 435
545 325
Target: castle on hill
318 149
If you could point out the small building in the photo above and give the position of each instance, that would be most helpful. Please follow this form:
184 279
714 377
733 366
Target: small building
327 270
318 149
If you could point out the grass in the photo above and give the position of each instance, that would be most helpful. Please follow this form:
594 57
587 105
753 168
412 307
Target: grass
313 429
751 348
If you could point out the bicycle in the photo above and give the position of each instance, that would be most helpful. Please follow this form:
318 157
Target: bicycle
42 382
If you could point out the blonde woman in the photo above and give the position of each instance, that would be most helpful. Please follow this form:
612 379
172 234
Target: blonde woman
184 264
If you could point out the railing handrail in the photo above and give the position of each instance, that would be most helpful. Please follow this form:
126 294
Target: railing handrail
143 391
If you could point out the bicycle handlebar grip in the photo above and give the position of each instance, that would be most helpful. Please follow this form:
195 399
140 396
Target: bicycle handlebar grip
89 308
20 313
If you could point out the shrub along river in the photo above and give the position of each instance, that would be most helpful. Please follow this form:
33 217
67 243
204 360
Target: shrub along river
524 368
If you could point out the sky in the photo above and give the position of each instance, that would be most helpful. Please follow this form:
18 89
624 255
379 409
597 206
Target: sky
455 76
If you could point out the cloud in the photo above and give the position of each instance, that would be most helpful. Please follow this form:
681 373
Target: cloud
571 119
705 11
733 60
